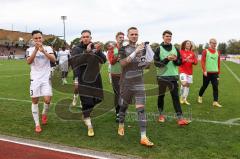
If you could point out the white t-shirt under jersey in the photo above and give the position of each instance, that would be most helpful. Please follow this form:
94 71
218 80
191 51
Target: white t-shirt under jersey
63 56
40 67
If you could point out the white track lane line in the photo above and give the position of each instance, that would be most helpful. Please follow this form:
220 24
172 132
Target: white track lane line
51 148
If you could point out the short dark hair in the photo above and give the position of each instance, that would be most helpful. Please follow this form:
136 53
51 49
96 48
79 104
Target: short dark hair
86 31
167 32
119 33
132 28
36 32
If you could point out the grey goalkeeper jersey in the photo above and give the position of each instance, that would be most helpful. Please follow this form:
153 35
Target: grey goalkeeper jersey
133 72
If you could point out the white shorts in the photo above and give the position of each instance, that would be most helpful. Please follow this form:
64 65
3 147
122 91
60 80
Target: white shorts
64 66
40 89
186 78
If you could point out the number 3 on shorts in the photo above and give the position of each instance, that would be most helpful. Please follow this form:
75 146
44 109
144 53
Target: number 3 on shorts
31 92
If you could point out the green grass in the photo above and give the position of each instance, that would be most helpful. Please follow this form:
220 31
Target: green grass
233 67
198 140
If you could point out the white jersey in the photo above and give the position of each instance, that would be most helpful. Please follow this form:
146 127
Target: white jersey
63 56
40 67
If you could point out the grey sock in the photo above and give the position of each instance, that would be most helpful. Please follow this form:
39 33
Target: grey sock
142 120
122 113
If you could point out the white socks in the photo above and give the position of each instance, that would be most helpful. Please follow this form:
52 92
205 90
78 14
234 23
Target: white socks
88 122
143 134
35 113
75 96
45 108
184 92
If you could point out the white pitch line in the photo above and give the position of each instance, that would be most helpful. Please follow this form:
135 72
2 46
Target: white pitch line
228 122
13 69
17 100
230 70
9 76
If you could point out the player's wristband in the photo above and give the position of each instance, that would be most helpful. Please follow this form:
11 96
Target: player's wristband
132 55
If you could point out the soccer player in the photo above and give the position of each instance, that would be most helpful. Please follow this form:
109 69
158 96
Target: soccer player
63 56
39 57
211 68
115 68
85 61
132 84
186 69
166 59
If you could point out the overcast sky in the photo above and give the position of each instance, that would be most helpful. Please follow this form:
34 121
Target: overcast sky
197 20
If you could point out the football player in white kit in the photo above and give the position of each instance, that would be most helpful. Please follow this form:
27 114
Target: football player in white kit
63 56
39 57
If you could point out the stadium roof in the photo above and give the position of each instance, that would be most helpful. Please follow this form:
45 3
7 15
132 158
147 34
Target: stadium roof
15 35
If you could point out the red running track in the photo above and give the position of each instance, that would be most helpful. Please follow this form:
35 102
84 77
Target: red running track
10 150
